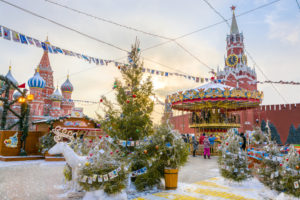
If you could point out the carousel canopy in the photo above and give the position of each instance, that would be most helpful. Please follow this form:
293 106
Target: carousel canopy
215 95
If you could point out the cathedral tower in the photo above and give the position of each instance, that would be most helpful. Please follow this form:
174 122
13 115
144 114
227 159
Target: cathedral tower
67 103
37 85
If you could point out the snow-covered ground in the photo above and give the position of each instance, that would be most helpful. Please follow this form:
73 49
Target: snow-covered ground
198 179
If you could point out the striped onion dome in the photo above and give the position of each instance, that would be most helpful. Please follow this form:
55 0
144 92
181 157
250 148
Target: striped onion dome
67 86
36 81
17 94
10 77
56 96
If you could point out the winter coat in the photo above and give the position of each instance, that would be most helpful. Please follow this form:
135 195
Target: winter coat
206 143
201 139
195 144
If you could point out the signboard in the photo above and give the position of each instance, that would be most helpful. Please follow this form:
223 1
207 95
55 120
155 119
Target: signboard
77 112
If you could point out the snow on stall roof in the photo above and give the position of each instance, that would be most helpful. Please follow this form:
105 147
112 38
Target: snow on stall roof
207 86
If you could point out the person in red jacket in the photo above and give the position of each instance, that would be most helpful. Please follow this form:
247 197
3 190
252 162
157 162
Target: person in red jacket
202 138
206 145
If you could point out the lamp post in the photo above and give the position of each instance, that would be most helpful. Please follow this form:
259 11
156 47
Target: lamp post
24 121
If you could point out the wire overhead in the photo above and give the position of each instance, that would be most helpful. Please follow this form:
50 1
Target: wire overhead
64 26
109 21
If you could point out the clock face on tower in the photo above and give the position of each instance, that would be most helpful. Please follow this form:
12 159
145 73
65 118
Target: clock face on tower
232 60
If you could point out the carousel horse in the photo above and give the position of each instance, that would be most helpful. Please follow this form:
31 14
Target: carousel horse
73 160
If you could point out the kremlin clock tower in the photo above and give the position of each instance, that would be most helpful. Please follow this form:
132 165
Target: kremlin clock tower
236 72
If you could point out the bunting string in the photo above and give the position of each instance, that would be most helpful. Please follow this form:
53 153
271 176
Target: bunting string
20 38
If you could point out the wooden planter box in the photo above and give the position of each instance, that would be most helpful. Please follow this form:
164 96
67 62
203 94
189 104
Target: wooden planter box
171 178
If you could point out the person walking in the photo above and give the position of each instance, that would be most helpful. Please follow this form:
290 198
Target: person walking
206 144
243 147
212 139
195 146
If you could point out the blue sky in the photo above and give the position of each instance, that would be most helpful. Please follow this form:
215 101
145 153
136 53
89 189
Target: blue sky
272 36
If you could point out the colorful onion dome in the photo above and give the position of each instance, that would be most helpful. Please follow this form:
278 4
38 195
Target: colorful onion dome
17 94
56 96
67 86
10 77
36 81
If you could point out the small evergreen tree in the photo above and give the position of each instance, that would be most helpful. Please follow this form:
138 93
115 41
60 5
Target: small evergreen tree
297 140
269 172
291 136
274 134
263 125
233 161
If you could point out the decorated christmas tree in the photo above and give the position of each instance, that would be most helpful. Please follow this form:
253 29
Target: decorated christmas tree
166 150
103 169
129 121
233 162
290 172
269 171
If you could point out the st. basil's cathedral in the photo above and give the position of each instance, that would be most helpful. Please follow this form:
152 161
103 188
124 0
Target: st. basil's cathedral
49 102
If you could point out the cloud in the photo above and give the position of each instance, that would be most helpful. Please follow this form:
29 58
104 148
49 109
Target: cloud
286 31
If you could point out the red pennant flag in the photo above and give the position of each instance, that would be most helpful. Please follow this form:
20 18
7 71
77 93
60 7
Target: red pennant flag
22 85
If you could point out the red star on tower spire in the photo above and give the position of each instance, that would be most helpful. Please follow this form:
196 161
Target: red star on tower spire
232 7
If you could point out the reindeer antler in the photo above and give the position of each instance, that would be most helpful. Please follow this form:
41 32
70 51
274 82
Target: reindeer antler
62 133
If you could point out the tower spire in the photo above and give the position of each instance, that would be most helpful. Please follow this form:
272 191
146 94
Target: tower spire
234 27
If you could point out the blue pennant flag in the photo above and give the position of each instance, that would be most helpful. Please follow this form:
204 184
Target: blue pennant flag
152 71
23 39
101 62
44 46
0 31
166 74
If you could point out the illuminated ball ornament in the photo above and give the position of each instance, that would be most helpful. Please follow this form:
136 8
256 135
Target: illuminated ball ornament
87 164
134 96
297 167
145 151
287 159
156 147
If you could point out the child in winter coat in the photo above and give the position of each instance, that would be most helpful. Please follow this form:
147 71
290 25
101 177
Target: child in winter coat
206 145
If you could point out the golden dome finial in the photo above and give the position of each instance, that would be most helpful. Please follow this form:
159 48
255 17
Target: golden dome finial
38 69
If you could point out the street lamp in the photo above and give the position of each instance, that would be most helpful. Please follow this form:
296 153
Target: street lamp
24 120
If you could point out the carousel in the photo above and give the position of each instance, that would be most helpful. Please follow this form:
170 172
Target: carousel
214 106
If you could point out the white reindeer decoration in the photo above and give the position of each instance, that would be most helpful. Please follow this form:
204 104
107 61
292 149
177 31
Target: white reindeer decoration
73 160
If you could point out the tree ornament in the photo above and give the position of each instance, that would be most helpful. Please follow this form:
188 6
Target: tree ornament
87 164
111 153
280 164
226 143
101 100
287 159
106 136
100 137
127 101
133 95
137 130
91 141
297 167
91 154
156 147
145 151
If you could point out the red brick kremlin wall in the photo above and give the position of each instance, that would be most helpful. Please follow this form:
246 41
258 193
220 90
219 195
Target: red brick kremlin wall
282 116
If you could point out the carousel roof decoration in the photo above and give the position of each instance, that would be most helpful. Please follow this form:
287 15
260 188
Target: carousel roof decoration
215 95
